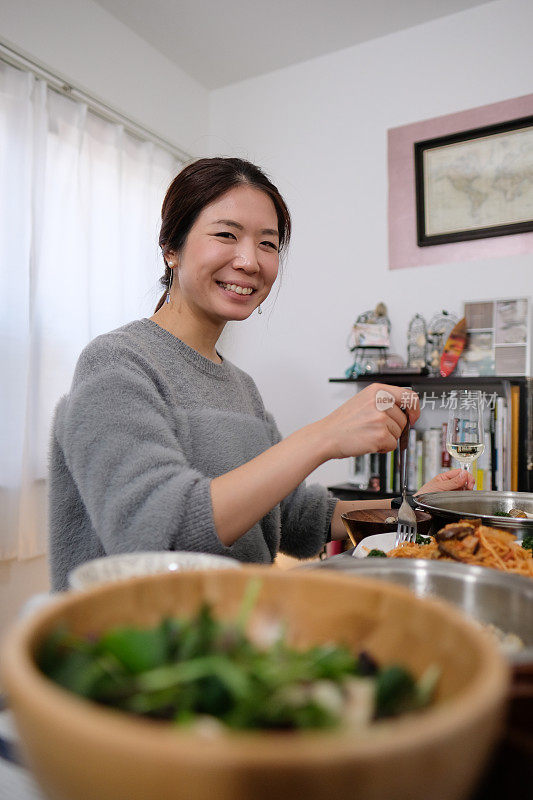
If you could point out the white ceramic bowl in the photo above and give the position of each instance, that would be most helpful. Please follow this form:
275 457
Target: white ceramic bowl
128 565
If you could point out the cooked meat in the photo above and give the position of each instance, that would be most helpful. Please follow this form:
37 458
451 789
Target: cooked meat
451 548
460 549
470 544
517 512
456 530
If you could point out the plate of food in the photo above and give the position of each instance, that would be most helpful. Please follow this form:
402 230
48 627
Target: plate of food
467 541
379 542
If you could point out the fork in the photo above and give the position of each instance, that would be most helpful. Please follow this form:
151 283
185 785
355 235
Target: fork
406 530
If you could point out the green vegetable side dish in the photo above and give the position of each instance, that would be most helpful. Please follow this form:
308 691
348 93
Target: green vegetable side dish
185 670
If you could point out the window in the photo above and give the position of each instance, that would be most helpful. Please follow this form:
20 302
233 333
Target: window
80 200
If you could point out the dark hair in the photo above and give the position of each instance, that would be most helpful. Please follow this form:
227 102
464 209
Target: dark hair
201 183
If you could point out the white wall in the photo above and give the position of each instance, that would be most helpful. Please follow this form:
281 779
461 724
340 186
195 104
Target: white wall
319 129
84 44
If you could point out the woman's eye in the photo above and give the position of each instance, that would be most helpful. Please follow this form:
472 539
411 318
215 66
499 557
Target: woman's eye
226 235
271 245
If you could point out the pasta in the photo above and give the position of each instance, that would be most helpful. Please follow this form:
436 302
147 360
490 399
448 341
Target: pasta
472 543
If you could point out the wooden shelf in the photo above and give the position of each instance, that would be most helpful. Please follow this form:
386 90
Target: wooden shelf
436 380
348 491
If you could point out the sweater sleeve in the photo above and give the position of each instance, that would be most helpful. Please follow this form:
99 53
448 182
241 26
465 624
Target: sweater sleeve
305 514
131 473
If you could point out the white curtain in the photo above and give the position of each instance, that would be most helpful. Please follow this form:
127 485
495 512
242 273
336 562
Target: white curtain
79 212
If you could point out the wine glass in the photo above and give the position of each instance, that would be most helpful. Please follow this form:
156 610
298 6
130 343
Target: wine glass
464 435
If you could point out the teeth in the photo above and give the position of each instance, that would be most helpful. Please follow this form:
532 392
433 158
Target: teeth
232 287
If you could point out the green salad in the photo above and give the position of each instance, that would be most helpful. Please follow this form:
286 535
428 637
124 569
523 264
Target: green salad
199 668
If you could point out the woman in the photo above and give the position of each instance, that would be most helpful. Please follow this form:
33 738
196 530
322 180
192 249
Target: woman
161 444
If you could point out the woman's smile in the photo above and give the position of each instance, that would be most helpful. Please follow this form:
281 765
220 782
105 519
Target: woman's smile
238 289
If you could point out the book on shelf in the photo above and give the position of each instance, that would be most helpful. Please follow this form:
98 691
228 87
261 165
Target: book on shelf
515 427
419 463
432 453
482 467
498 451
412 462
445 458
390 472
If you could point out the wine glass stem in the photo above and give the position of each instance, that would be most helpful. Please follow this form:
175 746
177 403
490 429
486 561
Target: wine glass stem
466 466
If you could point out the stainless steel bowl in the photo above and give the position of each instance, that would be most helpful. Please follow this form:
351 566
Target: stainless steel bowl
450 506
485 594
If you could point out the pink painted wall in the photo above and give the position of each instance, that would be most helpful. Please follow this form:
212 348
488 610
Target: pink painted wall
403 248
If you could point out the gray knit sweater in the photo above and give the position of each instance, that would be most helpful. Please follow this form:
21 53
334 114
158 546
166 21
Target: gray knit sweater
147 424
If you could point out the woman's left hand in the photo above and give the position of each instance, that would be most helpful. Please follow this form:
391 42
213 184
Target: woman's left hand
449 481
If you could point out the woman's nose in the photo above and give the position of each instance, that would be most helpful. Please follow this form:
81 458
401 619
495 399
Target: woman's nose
246 260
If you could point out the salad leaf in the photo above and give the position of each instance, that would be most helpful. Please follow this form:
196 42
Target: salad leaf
395 691
183 670
137 650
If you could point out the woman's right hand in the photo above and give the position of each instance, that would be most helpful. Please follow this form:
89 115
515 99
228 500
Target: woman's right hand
370 422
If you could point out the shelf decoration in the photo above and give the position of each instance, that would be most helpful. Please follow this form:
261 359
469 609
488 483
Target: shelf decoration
499 337
417 342
453 348
369 340
439 328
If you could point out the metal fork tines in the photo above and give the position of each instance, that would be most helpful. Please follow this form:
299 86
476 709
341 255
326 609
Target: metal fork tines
406 530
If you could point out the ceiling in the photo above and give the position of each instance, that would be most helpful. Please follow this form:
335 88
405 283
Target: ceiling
218 42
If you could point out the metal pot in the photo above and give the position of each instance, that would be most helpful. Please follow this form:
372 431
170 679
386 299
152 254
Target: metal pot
487 595
450 506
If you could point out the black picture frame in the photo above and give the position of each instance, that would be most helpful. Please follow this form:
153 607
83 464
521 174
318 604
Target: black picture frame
439 148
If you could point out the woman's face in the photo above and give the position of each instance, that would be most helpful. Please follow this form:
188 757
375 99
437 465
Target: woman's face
230 258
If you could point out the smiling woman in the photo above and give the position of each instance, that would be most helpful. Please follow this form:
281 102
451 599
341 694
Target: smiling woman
163 444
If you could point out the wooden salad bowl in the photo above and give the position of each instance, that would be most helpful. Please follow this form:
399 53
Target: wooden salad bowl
81 751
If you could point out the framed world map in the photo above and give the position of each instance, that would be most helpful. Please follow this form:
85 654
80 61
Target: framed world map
475 184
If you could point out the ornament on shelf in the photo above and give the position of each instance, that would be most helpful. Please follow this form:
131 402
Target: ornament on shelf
439 328
368 341
417 342
453 348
